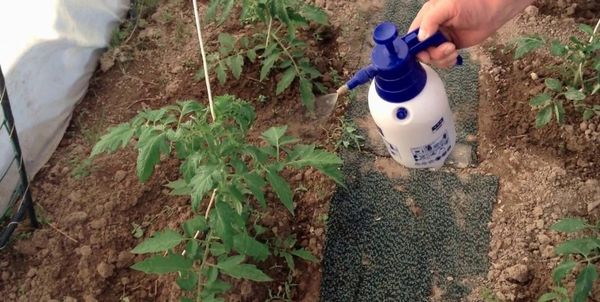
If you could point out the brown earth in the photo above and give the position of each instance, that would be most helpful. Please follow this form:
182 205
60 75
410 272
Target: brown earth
83 251
91 209
545 174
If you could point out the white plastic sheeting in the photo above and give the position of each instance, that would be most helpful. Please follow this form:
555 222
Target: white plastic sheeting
48 52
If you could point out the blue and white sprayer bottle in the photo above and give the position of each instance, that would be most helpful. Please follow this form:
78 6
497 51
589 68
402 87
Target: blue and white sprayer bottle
407 99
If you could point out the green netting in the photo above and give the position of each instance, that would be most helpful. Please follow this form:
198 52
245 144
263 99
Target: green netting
398 239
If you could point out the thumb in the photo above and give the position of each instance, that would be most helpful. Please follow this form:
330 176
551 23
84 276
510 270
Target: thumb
438 13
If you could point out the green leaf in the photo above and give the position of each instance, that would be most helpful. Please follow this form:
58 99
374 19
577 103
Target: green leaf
306 94
192 250
334 173
159 242
585 282
228 6
231 262
562 270
286 80
553 84
187 281
315 14
247 245
540 100
117 137
221 75
304 254
559 111
150 146
558 49
569 225
526 45
226 221
218 249
268 65
199 75
596 88
588 114
543 117
188 107
211 11
581 246
246 271
214 288
227 43
245 42
273 135
548 297
193 225
236 64
201 184
574 94
179 187
251 54
256 185
282 189
161 265
307 155
289 259
281 11
586 29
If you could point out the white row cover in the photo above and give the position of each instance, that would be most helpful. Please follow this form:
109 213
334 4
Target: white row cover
48 52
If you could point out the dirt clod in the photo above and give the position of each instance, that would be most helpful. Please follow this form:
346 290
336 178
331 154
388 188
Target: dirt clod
105 270
76 217
518 274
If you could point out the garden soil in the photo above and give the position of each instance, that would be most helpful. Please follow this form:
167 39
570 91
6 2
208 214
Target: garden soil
81 253
92 210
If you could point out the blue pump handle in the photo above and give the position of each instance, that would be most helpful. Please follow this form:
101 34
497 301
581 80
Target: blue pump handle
386 34
415 46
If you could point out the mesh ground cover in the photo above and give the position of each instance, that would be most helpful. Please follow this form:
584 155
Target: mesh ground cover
415 236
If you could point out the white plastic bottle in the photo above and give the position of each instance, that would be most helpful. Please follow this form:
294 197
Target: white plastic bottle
408 100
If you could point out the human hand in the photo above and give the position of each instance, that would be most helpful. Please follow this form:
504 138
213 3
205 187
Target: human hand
465 22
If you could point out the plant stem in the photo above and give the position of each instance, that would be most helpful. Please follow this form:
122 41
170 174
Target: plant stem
286 51
580 71
269 32
207 247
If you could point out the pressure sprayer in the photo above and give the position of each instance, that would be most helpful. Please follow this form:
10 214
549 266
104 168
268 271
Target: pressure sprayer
407 99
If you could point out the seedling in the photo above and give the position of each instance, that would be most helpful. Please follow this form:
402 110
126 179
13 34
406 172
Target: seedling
219 167
578 81
349 136
581 254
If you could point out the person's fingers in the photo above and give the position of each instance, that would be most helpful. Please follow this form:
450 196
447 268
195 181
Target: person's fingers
437 14
441 52
446 62
417 21
424 57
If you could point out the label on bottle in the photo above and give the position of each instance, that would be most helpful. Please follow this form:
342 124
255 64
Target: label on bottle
437 125
430 153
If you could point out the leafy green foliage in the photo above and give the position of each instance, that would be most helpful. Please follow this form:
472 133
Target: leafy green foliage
348 135
583 252
216 157
274 41
577 87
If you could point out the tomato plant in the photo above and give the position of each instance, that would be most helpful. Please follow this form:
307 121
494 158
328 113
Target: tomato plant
582 252
219 166
273 41
579 81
